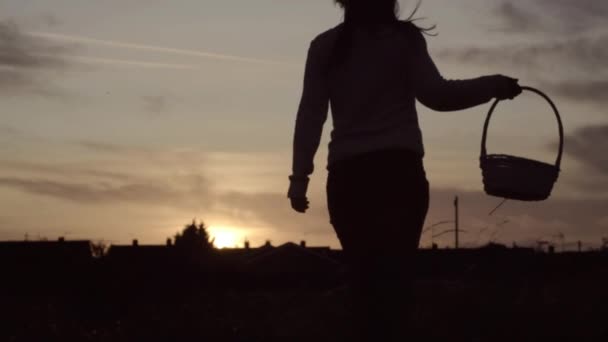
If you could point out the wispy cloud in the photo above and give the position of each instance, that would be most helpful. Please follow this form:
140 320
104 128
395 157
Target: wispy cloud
517 19
68 171
28 62
565 17
126 63
528 221
155 104
588 145
192 193
585 54
116 150
93 194
571 65
590 91
153 48
20 51
8 130
22 57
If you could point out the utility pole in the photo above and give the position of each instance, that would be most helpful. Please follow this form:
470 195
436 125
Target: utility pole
456 223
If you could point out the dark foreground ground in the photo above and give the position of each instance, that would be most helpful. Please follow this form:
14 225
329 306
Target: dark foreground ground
567 307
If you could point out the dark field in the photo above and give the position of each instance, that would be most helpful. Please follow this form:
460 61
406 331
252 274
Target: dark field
455 307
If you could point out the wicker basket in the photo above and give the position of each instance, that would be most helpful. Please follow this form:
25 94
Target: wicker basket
515 177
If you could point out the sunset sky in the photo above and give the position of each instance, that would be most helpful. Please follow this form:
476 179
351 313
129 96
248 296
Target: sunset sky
127 119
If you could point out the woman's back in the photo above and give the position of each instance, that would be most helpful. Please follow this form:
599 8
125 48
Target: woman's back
370 90
371 69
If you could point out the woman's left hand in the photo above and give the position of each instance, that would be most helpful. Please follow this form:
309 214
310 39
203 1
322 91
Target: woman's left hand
299 204
506 87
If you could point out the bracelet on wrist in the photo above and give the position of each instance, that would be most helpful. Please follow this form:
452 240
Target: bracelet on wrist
298 178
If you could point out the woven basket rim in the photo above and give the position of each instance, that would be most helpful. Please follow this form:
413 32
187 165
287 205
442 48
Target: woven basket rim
491 159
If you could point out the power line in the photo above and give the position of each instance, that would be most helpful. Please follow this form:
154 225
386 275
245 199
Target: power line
500 205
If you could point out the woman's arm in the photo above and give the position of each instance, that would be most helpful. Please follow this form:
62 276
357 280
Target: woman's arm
440 94
312 114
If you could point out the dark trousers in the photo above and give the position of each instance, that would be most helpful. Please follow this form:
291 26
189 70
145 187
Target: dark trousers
377 204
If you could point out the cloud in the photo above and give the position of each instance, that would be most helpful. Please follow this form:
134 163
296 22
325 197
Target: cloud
27 59
22 58
583 91
86 193
128 63
194 193
130 156
20 51
567 55
58 170
577 218
585 54
177 184
588 146
527 221
573 68
13 79
114 174
8 130
155 104
126 152
50 20
552 16
149 179
104 147
185 193
154 48
156 192
517 19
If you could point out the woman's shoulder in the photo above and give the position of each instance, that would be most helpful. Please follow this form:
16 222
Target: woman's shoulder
413 34
328 37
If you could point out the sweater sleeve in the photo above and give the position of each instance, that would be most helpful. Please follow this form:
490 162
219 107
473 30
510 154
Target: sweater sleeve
312 113
437 93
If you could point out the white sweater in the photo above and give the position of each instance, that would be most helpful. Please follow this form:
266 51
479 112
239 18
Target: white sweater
372 93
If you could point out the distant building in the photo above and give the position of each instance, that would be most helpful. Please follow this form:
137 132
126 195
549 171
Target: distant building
293 258
44 265
42 253
288 257
141 257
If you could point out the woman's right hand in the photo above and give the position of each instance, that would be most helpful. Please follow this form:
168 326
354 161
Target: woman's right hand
506 87
297 193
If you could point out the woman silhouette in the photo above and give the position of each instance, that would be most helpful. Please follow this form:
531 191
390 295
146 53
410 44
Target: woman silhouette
371 69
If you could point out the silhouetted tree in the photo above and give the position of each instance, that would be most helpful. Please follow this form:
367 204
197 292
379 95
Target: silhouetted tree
99 249
194 238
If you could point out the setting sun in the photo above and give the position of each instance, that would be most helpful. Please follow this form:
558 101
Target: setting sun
224 238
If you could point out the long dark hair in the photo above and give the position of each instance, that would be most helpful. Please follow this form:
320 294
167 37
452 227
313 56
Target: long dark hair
370 14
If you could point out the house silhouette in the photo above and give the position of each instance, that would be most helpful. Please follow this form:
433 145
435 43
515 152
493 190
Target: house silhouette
286 258
44 253
45 265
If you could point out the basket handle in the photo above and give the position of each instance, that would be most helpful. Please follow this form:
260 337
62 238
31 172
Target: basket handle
558 162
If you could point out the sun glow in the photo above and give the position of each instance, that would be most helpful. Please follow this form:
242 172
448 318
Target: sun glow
224 238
